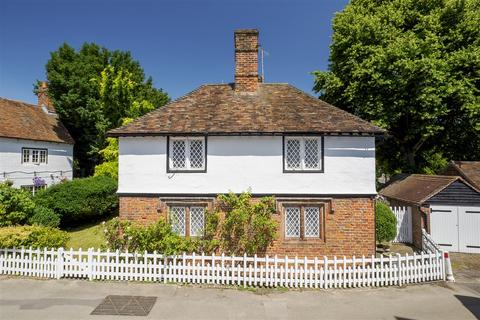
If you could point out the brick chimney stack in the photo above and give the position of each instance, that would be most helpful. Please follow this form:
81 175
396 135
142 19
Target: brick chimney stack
43 99
246 60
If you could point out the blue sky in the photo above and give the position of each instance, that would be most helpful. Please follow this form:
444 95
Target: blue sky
181 44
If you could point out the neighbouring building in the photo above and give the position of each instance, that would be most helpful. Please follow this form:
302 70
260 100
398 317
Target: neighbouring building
447 207
468 170
270 138
36 149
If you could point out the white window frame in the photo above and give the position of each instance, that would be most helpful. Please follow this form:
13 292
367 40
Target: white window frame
302 232
187 222
40 154
303 168
188 167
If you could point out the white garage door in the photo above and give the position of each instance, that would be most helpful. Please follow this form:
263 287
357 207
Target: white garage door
456 228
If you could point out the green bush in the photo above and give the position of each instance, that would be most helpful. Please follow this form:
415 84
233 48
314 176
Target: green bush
32 236
124 235
44 216
248 226
80 200
16 205
385 223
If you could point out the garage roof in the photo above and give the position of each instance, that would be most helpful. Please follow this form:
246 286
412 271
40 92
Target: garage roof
419 188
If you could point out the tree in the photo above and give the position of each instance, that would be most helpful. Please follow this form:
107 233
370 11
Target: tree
93 89
413 68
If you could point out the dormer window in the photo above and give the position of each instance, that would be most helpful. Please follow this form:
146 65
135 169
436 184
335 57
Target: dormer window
303 154
186 154
34 156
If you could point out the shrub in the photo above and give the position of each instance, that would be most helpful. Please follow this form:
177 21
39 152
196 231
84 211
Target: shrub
34 236
16 205
248 226
385 223
44 216
124 235
81 199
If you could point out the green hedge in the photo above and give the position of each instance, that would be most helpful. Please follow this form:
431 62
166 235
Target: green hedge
32 236
44 216
16 205
81 200
385 223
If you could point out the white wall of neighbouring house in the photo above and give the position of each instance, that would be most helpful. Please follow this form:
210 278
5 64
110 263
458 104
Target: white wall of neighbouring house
59 162
238 163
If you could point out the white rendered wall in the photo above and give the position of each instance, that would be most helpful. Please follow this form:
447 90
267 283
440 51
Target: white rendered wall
239 163
60 158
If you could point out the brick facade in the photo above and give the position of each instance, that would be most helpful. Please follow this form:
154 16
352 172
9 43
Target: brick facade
347 225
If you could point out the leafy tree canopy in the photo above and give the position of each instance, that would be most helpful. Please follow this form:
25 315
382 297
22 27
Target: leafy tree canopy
413 68
93 90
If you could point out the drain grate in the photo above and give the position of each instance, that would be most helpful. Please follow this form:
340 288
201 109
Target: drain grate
125 306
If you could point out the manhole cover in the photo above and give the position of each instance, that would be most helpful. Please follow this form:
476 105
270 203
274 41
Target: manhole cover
125 306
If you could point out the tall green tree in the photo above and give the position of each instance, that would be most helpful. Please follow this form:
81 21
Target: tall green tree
413 68
93 90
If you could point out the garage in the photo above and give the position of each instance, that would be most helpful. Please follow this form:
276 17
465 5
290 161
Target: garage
447 207
464 236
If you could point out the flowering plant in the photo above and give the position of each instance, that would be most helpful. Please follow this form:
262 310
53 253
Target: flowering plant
39 182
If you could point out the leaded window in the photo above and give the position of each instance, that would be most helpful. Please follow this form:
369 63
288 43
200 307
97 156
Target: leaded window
177 220
34 155
292 222
197 217
303 154
312 221
303 221
187 154
187 220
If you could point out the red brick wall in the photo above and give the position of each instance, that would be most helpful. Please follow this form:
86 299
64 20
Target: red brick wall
347 230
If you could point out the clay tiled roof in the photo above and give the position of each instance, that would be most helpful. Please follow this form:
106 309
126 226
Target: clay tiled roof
468 170
273 108
26 121
417 188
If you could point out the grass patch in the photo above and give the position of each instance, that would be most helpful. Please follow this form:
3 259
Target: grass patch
86 236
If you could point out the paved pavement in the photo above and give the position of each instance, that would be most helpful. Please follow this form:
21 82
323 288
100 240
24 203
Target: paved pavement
76 299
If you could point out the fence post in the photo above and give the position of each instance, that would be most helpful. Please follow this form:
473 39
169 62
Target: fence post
90 263
60 262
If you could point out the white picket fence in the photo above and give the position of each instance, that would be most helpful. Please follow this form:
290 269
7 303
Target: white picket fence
404 224
225 270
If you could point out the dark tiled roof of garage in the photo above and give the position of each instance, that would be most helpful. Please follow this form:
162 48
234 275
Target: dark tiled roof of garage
417 188
27 121
273 108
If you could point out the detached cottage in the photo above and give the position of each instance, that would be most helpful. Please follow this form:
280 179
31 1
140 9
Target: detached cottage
317 160
36 150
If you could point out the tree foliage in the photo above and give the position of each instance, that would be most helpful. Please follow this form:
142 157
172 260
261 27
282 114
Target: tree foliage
93 90
412 67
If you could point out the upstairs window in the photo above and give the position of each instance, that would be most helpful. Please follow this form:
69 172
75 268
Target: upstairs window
186 154
303 154
34 156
